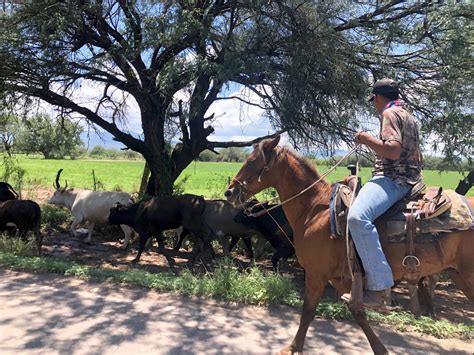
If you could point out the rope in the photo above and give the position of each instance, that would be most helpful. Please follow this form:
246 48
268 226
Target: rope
310 186
347 223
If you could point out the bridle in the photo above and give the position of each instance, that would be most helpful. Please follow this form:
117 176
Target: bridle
243 190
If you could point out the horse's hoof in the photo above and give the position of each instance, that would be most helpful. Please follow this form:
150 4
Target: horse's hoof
289 350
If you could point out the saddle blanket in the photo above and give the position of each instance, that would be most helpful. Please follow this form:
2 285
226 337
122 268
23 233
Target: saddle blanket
458 217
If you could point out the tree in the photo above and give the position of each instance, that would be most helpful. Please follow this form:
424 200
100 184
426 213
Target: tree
309 62
9 130
53 139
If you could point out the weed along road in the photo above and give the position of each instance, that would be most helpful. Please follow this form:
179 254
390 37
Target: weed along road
51 314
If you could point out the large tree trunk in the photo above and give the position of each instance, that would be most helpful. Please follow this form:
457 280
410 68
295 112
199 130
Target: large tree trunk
161 178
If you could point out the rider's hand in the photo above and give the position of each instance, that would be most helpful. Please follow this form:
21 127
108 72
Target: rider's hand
361 137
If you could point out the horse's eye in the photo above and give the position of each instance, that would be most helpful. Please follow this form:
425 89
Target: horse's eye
251 162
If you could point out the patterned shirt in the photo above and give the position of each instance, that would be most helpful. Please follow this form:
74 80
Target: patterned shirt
399 125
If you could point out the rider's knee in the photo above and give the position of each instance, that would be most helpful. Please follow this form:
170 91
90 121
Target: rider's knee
356 219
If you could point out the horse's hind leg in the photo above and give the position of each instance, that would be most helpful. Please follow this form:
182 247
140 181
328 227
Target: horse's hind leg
465 281
314 288
414 301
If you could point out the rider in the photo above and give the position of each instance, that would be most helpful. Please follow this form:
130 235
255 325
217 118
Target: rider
397 169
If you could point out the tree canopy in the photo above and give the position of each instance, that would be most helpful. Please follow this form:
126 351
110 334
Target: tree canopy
55 139
311 63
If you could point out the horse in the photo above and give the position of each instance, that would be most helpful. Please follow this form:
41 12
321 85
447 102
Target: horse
324 259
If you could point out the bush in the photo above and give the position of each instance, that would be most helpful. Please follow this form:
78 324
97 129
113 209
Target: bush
54 217
98 151
18 246
208 156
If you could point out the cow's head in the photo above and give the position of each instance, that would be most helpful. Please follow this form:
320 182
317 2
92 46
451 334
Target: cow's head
122 214
61 194
7 192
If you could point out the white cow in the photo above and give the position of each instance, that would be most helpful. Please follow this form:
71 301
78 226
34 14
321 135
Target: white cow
90 206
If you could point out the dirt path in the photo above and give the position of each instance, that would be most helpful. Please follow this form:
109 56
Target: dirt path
50 314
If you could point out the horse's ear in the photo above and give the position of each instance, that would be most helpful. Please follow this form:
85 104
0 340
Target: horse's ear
270 144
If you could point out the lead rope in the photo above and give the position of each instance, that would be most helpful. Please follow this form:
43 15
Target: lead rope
347 224
274 220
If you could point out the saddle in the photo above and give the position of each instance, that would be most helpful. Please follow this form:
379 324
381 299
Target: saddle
422 212
434 210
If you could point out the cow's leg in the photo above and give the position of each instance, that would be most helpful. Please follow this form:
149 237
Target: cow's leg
314 287
143 239
182 235
224 242
233 243
425 297
38 239
160 239
74 224
260 247
90 228
127 231
248 245
281 253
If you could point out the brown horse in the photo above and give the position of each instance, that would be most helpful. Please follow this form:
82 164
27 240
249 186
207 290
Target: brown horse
322 258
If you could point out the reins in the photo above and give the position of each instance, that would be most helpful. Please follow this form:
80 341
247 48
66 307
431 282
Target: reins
257 214
265 210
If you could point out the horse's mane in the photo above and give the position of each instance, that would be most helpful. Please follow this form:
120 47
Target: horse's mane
309 168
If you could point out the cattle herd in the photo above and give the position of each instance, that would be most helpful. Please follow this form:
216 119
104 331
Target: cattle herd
198 218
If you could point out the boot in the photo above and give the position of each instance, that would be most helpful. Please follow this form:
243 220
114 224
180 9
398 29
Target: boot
374 300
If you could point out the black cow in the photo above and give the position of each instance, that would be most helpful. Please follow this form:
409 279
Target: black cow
25 215
7 192
219 217
266 225
151 218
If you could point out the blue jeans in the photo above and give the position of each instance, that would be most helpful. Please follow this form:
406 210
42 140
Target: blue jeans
375 198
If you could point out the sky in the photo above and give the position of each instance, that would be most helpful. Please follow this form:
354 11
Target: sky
235 120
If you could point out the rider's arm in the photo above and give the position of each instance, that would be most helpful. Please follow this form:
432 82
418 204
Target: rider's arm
389 145
390 149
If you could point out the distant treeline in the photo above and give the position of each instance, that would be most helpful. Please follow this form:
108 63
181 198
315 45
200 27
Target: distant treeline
430 162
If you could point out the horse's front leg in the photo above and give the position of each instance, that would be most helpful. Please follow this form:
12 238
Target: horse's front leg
314 288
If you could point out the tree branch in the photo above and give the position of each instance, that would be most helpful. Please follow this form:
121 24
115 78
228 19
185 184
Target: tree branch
62 101
213 145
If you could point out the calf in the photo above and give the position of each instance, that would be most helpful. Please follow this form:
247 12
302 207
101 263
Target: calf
152 217
25 215
266 225
7 192
219 217
90 206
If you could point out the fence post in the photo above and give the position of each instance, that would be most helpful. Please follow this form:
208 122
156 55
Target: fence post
94 180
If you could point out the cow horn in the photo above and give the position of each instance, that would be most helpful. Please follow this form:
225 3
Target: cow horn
58 186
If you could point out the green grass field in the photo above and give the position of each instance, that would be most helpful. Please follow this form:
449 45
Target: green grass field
202 178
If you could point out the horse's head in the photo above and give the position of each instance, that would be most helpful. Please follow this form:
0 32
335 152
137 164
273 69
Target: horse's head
254 176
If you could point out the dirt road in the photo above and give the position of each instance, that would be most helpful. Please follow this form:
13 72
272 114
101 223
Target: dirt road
50 314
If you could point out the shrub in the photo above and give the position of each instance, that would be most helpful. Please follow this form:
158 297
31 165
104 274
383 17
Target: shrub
54 217
17 246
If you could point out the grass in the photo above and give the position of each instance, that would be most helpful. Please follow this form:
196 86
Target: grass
252 286
202 178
